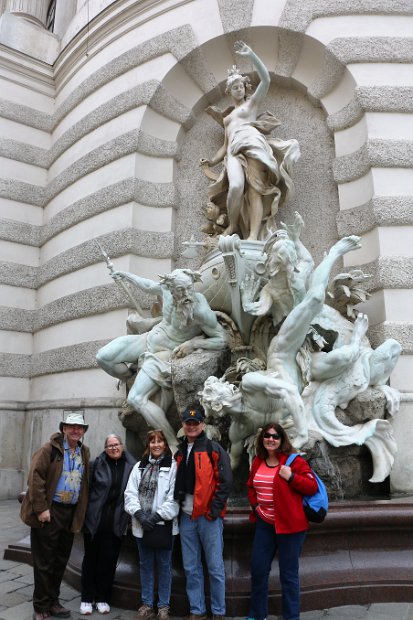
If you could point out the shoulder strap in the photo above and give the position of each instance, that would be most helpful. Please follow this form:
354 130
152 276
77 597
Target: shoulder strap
290 459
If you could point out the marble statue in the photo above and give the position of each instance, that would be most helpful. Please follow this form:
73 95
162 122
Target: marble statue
304 396
282 380
288 266
337 377
256 178
187 324
261 397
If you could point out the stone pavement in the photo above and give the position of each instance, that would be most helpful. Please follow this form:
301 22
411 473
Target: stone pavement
16 587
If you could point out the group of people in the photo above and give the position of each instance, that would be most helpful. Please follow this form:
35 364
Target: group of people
163 494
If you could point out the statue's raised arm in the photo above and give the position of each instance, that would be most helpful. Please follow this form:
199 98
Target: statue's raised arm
261 91
144 284
256 176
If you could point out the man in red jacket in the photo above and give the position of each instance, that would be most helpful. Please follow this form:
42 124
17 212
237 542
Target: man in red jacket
203 483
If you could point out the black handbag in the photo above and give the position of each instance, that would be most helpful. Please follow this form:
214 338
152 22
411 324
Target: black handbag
160 537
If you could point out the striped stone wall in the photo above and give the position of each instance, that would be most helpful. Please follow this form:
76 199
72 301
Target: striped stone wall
102 141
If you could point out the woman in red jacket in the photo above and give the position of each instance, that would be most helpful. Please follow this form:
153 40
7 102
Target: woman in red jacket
275 492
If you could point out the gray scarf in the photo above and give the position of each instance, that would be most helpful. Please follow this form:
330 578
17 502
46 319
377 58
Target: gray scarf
148 483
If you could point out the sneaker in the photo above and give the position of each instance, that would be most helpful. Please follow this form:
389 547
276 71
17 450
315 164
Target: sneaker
163 613
145 613
103 608
86 609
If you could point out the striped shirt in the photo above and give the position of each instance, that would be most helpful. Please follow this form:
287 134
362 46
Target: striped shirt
263 485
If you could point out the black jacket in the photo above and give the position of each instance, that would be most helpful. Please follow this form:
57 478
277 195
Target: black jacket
99 489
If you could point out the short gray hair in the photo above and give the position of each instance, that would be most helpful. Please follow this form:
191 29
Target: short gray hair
115 436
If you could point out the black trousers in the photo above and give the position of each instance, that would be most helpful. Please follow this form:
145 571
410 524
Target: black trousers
51 545
99 566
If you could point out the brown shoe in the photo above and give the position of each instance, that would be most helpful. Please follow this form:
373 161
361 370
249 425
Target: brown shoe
163 613
196 617
145 613
58 611
41 615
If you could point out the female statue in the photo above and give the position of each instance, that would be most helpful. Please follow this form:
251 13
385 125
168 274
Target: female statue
256 176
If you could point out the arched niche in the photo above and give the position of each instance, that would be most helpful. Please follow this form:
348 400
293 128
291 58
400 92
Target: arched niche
307 85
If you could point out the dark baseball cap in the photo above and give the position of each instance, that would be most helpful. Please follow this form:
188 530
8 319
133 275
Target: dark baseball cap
193 412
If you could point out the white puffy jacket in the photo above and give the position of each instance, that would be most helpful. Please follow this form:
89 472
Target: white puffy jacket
163 502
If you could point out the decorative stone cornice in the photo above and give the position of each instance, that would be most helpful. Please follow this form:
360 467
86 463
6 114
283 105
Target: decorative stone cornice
16 319
379 211
375 153
385 98
79 356
298 15
400 331
19 232
25 115
15 365
235 18
331 72
372 49
16 274
89 302
117 243
389 272
179 42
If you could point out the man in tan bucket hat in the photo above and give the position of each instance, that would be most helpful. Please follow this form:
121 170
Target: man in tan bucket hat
54 507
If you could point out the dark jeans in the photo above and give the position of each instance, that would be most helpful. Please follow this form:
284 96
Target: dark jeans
265 545
51 545
99 566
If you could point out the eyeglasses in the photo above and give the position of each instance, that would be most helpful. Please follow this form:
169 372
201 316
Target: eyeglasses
113 446
271 436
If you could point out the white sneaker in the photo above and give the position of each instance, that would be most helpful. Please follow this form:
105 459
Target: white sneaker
103 608
86 609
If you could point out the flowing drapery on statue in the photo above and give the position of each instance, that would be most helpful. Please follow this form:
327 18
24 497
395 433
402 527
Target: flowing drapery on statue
256 176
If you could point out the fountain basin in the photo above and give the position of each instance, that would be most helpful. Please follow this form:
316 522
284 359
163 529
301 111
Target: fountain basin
362 553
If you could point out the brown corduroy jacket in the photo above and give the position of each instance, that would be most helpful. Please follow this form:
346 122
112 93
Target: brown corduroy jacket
44 475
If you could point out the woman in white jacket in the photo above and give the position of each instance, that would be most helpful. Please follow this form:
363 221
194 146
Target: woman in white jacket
149 498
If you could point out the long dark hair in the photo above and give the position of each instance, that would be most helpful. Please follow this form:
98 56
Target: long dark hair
160 435
285 445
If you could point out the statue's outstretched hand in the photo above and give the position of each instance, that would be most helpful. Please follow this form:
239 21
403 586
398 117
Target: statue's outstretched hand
294 230
242 48
119 275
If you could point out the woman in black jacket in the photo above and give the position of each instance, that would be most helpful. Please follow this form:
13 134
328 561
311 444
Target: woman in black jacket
105 523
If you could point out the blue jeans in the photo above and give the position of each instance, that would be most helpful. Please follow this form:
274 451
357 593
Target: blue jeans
196 535
264 547
148 559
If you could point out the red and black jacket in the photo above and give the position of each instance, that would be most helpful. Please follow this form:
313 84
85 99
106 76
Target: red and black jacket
213 477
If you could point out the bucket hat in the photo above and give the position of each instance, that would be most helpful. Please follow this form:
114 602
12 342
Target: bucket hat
74 418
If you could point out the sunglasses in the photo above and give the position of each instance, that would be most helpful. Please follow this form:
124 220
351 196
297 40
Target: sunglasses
271 436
